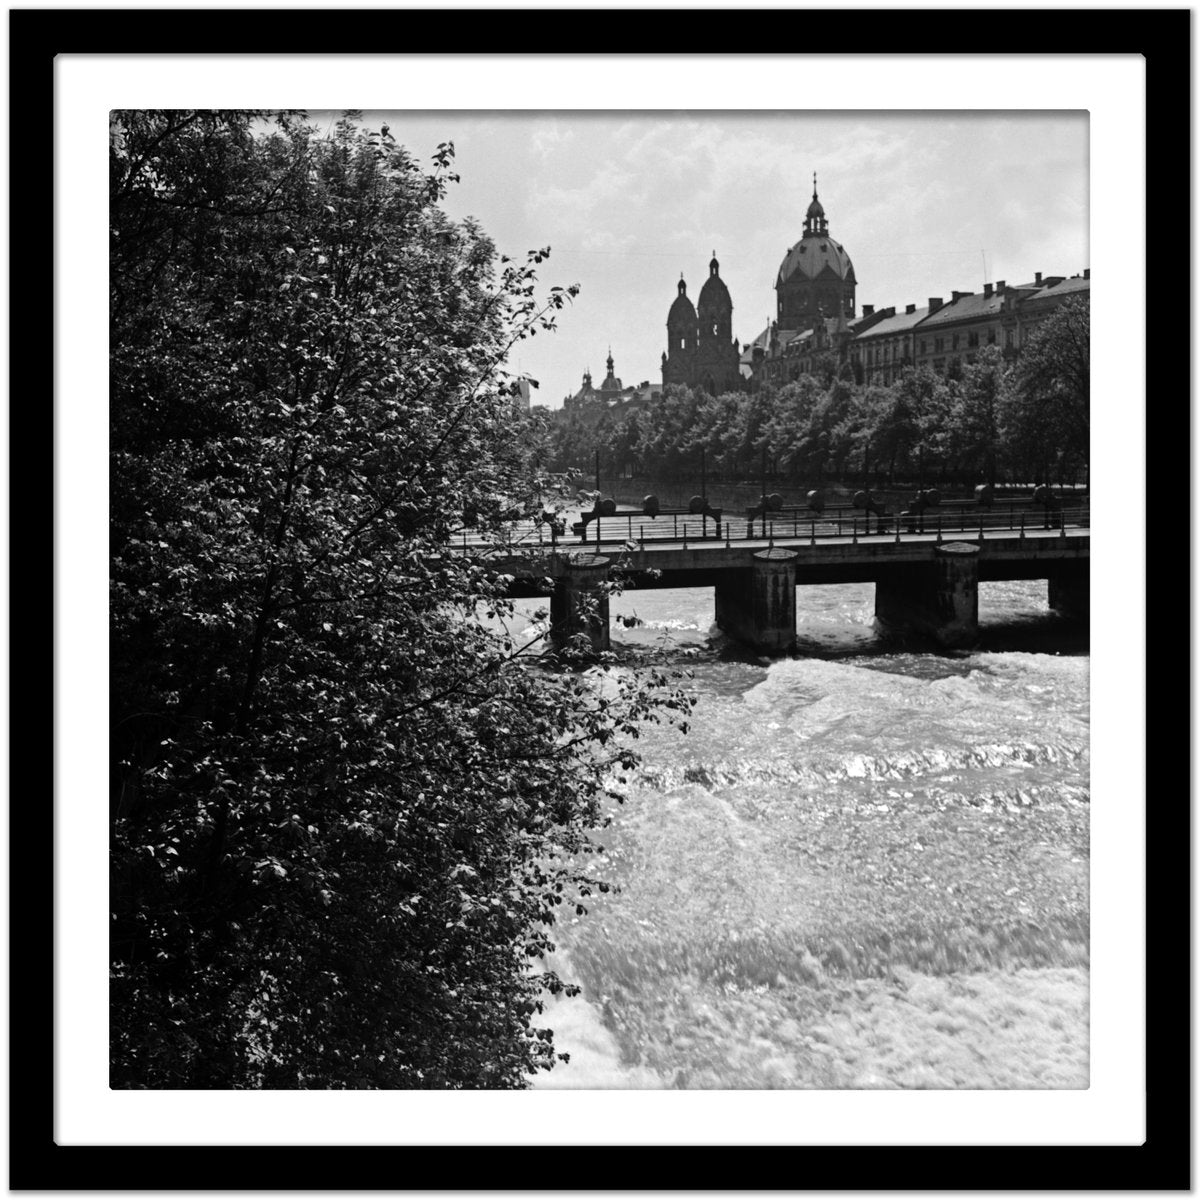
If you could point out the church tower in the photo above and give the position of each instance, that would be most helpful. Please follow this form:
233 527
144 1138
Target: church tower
679 363
701 351
611 382
816 276
716 356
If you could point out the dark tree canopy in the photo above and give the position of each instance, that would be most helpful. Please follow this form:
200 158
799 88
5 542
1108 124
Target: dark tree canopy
345 807
990 419
1047 415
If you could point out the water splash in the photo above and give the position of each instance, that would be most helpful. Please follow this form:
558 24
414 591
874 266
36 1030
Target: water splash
580 1032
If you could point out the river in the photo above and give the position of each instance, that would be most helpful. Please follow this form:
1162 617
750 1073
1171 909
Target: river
865 866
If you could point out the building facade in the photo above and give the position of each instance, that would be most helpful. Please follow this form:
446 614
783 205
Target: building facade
883 349
1003 315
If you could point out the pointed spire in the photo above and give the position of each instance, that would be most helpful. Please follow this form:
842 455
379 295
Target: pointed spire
682 285
815 224
714 267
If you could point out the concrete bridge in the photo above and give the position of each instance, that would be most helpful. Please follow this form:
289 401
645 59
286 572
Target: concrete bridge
927 582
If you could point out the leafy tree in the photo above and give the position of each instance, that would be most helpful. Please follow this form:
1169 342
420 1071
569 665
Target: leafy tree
749 435
825 367
833 418
623 441
859 427
792 434
921 404
715 416
973 423
666 433
345 810
574 440
1047 412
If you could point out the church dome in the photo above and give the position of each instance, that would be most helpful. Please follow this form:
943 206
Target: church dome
816 254
813 256
682 309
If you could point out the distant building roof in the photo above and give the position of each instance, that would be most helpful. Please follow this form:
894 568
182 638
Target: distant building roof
762 341
642 393
899 323
746 359
974 305
1077 285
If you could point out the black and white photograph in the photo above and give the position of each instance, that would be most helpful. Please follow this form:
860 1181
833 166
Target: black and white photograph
577 626
579 567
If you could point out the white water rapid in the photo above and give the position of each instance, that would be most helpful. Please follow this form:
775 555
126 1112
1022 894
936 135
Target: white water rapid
863 866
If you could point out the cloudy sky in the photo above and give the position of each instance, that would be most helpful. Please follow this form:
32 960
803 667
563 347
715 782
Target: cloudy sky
924 203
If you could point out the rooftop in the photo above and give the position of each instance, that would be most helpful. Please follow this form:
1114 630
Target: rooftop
899 323
1060 291
973 306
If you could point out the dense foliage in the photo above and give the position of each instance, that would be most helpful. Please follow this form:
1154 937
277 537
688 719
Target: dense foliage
345 808
992 420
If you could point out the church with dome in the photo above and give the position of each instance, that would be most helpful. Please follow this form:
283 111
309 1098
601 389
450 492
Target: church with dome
814 302
815 321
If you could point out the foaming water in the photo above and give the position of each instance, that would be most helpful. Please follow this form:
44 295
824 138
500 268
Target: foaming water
865 866
594 1055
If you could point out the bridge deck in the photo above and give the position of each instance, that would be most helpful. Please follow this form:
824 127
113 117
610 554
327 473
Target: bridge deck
845 559
671 528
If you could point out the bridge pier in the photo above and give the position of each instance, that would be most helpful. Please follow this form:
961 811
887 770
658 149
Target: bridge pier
758 606
579 604
940 598
1069 590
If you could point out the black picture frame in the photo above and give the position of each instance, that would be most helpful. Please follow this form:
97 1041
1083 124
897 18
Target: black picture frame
36 1161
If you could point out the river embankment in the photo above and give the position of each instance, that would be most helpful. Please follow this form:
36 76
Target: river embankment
736 498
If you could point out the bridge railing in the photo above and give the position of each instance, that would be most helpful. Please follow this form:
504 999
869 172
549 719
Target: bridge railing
954 521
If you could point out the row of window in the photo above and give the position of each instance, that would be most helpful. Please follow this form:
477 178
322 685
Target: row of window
882 354
876 355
